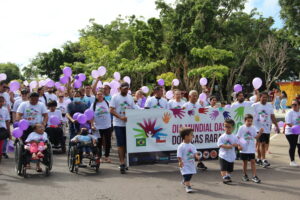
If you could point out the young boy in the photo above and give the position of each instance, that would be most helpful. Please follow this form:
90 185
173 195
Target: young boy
247 134
4 124
186 154
227 143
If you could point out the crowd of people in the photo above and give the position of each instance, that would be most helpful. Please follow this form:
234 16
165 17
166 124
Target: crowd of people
37 107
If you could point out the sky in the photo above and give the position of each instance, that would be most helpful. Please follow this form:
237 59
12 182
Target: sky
32 26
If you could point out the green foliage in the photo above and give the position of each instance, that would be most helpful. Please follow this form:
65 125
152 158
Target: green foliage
11 70
215 71
211 53
168 78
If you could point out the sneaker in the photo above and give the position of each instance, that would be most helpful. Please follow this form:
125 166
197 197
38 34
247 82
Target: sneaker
188 189
245 178
265 163
294 164
122 169
258 162
5 155
226 179
201 166
255 179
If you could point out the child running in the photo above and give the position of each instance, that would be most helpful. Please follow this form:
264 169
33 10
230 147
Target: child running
247 134
186 154
227 143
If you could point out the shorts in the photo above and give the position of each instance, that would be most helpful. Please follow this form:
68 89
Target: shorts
225 165
187 177
264 138
247 156
120 136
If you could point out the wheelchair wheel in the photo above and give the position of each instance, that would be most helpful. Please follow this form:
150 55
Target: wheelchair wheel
71 158
97 168
19 158
47 171
50 157
24 173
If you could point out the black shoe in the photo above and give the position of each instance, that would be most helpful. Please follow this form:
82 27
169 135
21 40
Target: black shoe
245 178
5 155
226 180
82 165
255 179
201 166
122 169
258 162
265 163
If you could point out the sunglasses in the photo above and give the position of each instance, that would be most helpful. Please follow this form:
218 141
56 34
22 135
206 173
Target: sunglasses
61 96
294 104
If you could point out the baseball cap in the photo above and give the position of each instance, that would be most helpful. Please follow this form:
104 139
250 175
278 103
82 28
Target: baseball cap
124 85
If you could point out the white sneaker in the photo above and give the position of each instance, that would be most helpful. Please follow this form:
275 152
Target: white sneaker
188 189
294 164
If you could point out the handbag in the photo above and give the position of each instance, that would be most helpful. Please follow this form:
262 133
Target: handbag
3 133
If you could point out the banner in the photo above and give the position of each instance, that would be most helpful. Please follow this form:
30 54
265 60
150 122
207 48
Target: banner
153 135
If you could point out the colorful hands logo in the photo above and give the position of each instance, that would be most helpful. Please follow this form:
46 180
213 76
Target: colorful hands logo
203 110
197 118
214 115
149 130
178 112
191 112
166 118
239 114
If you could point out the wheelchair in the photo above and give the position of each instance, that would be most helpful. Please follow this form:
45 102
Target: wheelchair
56 138
76 158
20 159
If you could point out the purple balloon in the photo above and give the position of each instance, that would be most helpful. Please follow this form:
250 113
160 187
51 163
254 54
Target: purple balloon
23 124
102 70
14 86
117 76
54 120
76 77
77 84
89 114
203 81
161 82
257 82
82 77
237 88
280 124
82 119
296 129
17 132
10 146
202 96
50 83
75 116
64 80
16 124
67 71
57 85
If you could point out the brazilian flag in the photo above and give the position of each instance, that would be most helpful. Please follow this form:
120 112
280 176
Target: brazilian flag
141 142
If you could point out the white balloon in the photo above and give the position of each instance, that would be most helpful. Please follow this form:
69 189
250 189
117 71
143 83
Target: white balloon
145 89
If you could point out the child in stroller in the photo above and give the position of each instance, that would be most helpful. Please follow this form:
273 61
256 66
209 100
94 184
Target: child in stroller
35 145
86 142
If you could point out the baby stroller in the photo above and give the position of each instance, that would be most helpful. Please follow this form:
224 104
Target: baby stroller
21 159
56 137
76 158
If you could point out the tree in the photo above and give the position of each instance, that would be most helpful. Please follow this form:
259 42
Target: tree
290 13
11 70
272 58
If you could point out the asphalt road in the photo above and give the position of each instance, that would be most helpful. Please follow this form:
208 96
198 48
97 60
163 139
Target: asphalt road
161 181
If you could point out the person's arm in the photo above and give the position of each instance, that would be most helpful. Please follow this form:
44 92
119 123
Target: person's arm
19 116
114 113
180 163
45 119
94 87
259 133
273 118
8 128
69 89
226 146
70 118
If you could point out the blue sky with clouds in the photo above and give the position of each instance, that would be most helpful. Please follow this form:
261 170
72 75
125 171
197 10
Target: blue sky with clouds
32 26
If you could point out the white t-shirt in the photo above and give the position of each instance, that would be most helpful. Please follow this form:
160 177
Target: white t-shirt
244 104
7 99
17 103
32 113
121 103
227 154
56 113
253 98
187 153
262 116
102 116
173 104
4 116
50 97
292 117
153 102
37 137
248 134
42 100
190 106
63 107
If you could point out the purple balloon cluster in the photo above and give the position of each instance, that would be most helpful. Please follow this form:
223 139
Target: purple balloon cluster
83 118
19 127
